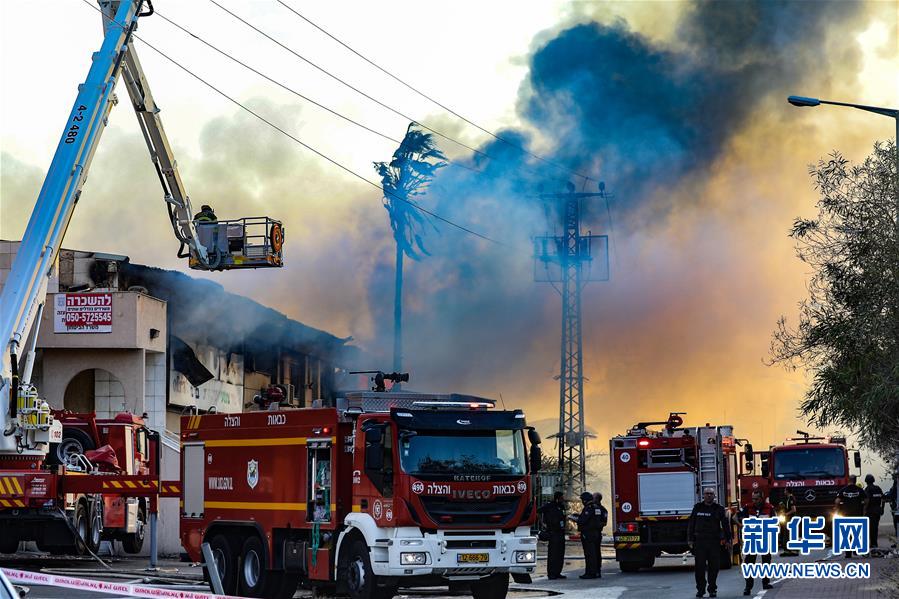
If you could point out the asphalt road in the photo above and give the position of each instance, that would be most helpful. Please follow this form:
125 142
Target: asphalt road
670 577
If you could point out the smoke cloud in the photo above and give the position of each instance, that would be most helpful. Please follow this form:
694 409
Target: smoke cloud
688 127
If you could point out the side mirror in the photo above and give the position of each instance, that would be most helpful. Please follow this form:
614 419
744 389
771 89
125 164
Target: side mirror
536 458
533 437
766 467
858 459
748 454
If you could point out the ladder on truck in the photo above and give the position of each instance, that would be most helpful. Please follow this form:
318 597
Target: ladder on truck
709 461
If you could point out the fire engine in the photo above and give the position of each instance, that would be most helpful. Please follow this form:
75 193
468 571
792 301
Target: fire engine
65 504
657 478
64 522
386 489
813 468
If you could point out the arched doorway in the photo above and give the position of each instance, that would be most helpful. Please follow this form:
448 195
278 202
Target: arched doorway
95 390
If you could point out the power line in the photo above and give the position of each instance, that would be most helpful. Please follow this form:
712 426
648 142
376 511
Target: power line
434 101
299 141
293 91
350 86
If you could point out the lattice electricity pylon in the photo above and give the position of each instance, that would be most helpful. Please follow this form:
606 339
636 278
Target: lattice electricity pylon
570 261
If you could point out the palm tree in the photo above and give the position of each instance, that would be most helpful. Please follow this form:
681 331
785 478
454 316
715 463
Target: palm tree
404 179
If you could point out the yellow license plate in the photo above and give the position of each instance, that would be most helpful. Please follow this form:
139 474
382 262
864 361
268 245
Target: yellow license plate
472 558
627 539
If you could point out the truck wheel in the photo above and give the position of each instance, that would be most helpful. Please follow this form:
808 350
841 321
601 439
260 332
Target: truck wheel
74 441
283 585
492 587
9 544
254 579
360 580
87 530
133 542
225 563
630 566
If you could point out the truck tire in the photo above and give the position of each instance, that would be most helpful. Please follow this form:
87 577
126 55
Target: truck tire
73 441
254 580
9 544
133 542
283 585
630 566
492 587
225 562
87 530
360 580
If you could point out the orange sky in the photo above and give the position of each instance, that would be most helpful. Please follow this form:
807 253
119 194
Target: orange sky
701 270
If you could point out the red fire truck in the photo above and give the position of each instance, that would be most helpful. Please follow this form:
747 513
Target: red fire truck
813 468
386 489
657 478
94 485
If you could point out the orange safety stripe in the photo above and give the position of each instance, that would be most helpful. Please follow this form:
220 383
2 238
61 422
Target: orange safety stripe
256 442
252 505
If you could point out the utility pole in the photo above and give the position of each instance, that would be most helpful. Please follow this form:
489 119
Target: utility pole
569 261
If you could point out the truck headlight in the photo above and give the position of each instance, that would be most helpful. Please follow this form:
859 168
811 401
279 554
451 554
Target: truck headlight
413 559
525 557
781 518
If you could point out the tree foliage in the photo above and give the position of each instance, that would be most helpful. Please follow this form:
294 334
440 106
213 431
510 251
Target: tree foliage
848 329
405 178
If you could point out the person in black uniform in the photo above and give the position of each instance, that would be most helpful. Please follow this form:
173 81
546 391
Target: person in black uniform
892 497
589 526
603 514
553 514
759 509
707 528
852 501
788 509
874 508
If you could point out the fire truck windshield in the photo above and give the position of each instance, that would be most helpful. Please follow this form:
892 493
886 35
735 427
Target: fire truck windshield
473 452
809 462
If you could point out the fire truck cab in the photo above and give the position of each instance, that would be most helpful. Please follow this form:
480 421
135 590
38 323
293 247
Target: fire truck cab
657 478
814 469
386 489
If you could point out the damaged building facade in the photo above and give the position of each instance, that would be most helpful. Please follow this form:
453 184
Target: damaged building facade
116 336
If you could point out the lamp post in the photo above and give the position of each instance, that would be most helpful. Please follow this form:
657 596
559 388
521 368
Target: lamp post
890 112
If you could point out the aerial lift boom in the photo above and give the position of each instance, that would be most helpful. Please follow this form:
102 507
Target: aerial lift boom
253 242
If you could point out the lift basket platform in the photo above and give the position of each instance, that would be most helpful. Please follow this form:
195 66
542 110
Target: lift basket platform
251 242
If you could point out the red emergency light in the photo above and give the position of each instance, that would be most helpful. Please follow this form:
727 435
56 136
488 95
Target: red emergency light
643 443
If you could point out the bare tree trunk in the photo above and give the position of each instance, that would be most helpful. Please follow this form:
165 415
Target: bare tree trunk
398 313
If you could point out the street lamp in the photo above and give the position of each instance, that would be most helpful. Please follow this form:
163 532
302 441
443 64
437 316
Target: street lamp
890 112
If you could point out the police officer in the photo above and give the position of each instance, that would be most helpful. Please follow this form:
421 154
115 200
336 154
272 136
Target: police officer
759 509
603 514
874 508
553 514
588 524
707 528
851 501
788 510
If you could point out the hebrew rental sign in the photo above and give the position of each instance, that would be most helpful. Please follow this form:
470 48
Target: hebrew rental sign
83 313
